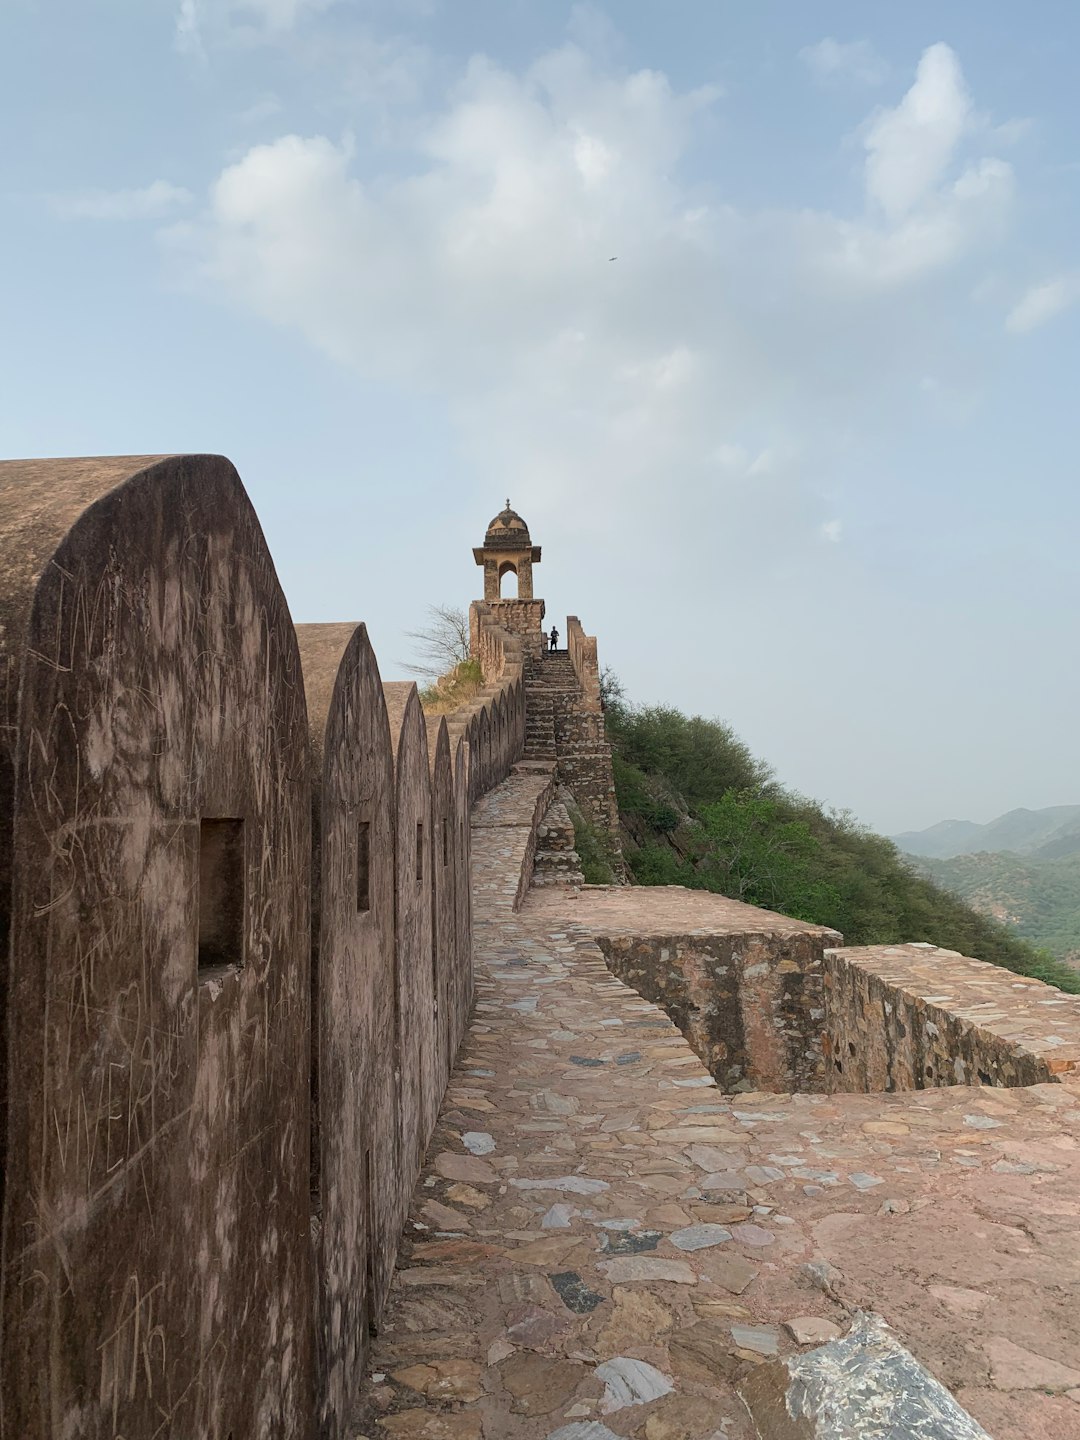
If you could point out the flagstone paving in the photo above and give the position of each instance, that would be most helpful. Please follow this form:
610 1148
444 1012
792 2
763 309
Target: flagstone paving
601 1242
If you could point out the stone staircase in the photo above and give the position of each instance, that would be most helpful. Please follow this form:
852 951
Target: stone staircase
545 678
557 861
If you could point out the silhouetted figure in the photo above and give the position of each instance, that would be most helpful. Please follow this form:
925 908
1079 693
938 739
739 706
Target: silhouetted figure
554 639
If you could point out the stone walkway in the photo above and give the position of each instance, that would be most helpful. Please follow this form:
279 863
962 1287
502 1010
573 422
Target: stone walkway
601 1242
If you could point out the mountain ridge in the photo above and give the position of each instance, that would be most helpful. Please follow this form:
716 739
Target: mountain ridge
1051 833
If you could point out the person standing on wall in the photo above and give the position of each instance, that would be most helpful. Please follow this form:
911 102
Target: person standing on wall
554 639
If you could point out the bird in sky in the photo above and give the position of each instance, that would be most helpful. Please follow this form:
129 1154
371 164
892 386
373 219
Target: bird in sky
612 257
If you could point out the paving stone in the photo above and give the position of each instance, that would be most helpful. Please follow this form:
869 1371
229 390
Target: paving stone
811 1329
1014 1368
478 1142
558 1217
631 1243
583 1430
750 1234
574 1184
466 1168
699 1237
574 1293
445 1218
467 1196
762 1339
630 1382
443 1379
704 1353
643 1267
683 1417
433 1425
638 1318
540 1385
531 1326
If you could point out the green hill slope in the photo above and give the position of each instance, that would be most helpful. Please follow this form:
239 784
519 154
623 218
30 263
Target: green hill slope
1038 898
698 809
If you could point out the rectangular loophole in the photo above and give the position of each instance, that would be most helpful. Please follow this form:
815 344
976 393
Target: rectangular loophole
419 852
445 842
363 866
221 896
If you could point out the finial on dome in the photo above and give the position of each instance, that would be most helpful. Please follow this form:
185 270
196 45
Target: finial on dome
508 502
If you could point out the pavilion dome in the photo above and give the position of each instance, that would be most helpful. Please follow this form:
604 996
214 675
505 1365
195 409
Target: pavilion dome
507 531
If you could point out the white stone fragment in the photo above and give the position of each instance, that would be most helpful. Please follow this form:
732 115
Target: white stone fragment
558 1217
630 1382
575 1184
478 1142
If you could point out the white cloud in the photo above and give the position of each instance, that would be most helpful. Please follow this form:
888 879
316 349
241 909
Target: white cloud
830 61
910 148
153 202
243 20
1042 302
482 275
832 531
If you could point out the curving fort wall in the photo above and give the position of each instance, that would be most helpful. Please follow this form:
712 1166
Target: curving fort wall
154 872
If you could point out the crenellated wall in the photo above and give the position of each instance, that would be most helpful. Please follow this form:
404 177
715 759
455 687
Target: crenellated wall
154 873
238 934
352 980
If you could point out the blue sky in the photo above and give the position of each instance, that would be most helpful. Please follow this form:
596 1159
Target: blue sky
802 457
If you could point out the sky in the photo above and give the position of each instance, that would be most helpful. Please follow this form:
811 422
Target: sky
765 316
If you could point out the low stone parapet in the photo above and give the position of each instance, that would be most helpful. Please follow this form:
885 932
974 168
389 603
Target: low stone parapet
909 1017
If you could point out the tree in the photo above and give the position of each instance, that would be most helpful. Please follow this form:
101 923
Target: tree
442 645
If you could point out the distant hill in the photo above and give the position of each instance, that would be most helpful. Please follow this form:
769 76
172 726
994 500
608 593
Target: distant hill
1037 897
696 808
1049 834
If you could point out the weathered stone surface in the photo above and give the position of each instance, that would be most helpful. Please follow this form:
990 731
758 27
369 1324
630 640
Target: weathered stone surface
433 1425
534 1327
639 1318
155 1150
416 1039
865 1384
574 1293
1012 1367
643 1267
683 1417
443 1379
811 1329
466 1168
704 1353
630 1382
911 1016
761 1339
352 954
540 1385
699 1237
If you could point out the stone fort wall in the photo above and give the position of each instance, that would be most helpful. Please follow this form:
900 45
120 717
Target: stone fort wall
235 897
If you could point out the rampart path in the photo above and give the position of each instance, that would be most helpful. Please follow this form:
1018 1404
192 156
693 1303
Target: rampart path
601 1243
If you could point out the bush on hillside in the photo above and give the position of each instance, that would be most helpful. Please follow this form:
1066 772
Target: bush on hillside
707 814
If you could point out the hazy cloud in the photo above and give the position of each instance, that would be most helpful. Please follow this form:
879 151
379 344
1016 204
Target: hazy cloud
483 275
1042 302
831 61
153 202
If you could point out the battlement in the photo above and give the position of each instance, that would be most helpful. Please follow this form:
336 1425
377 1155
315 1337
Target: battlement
318 1116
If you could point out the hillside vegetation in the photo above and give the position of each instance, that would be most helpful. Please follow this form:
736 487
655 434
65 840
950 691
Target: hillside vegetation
1039 898
698 809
